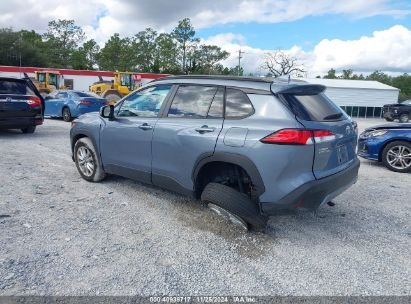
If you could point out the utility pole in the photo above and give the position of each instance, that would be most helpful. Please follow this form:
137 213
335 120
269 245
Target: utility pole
239 61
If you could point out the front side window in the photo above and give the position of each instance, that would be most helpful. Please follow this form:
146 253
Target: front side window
237 104
192 101
144 103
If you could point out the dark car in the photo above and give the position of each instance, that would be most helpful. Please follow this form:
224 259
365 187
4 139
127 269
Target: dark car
400 111
21 105
389 144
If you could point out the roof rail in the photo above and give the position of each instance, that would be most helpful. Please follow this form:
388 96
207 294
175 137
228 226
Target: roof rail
217 77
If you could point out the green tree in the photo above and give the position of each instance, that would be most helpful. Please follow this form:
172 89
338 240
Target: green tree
117 54
185 35
144 48
24 48
167 54
331 74
346 74
403 82
62 39
85 58
380 76
205 58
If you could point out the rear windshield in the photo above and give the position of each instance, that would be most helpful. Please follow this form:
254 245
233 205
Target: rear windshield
85 94
15 87
314 107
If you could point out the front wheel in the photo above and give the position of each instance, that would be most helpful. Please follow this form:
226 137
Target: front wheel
67 115
234 206
389 119
396 156
87 161
404 118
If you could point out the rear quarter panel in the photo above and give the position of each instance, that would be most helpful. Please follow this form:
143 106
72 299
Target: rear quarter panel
282 167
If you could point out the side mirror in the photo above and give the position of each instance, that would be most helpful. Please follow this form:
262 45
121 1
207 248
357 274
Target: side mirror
107 112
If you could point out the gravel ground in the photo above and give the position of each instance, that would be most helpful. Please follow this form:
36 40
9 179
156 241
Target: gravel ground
60 235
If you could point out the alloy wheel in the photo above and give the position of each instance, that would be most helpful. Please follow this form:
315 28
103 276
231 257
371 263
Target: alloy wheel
399 157
85 161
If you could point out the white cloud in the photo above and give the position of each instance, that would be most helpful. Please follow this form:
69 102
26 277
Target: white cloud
102 18
387 50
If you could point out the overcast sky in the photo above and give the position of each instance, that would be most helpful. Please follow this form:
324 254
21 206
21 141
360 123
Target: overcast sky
364 35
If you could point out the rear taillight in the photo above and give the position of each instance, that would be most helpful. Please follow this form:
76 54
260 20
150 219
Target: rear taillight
323 135
289 137
298 137
33 101
84 102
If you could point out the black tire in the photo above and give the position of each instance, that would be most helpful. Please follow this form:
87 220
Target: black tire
389 119
29 130
67 114
385 157
236 203
404 118
98 173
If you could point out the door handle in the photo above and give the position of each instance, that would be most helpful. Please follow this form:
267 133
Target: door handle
205 129
145 127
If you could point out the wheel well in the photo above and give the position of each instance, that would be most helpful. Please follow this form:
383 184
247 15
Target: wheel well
227 174
75 139
387 143
64 107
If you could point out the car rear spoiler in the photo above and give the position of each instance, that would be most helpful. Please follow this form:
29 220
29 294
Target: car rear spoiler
296 88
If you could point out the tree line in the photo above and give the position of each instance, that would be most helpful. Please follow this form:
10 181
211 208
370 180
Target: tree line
402 82
64 45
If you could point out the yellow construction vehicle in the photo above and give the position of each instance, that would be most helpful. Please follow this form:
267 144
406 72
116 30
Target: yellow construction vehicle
48 81
123 84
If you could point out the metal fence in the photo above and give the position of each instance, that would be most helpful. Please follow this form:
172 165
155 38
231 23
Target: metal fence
366 112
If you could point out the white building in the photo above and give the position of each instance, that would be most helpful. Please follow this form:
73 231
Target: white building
359 98
76 79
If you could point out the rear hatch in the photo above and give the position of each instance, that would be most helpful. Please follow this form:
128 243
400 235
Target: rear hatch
334 133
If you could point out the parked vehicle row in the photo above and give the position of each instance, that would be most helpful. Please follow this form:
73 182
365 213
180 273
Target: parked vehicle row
246 147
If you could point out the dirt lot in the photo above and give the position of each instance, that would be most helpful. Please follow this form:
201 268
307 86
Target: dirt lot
60 235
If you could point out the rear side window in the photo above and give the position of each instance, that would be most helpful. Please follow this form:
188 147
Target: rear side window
15 87
192 101
237 104
314 107
217 106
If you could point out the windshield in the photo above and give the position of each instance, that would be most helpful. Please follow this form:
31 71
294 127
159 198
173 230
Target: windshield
41 77
127 80
85 94
53 80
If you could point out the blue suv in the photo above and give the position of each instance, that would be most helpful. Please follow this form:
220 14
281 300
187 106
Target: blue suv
246 146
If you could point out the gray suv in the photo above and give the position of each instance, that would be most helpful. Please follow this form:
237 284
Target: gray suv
247 147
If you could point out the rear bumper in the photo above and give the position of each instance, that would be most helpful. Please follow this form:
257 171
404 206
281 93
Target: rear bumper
20 122
317 192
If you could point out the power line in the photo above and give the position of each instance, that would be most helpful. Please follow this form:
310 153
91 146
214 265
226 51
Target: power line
239 61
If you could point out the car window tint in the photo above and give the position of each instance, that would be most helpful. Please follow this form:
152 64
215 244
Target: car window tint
315 107
192 101
237 104
15 87
217 106
62 95
144 103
